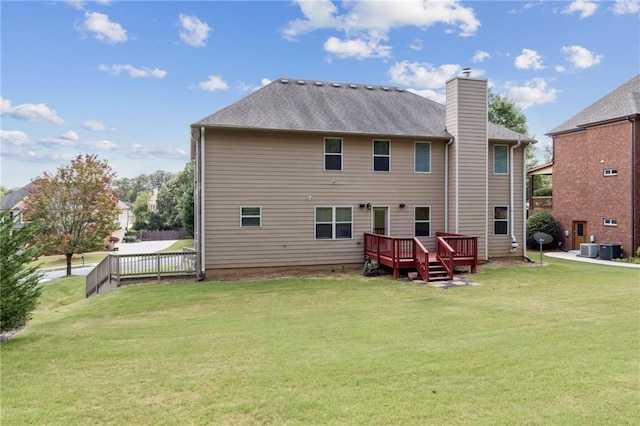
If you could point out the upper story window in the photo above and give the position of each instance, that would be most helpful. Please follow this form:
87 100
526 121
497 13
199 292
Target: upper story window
250 217
332 153
333 223
610 172
610 222
381 156
422 221
500 220
422 157
500 159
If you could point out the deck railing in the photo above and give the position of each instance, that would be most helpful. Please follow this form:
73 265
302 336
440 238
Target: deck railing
116 267
405 253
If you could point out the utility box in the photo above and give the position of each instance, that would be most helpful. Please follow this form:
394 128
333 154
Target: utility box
609 251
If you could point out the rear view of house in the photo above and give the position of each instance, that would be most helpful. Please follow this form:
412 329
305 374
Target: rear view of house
596 172
295 174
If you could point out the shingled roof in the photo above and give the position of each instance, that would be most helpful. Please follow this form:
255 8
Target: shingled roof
619 104
321 106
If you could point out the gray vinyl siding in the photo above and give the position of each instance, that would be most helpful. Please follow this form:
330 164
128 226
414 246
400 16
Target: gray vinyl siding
283 173
468 102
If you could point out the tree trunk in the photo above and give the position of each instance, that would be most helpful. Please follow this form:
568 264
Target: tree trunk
69 256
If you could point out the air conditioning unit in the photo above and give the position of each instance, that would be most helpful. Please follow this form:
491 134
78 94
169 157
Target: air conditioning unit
588 250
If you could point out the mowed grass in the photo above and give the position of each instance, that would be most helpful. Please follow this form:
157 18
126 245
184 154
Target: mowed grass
539 345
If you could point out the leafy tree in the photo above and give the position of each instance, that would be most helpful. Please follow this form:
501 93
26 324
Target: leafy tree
141 210
76 209
171 196
19 289
542 222
188 211
130 188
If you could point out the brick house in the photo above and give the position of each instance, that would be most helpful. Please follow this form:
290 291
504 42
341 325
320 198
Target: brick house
596 171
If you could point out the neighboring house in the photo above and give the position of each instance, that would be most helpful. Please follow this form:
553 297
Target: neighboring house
14 202
596 171
124 221
539 203
296 173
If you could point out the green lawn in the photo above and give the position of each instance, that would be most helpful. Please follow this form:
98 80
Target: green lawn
539 345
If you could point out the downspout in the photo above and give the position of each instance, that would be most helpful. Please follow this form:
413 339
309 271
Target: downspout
446 185
514 241
524 201
634 243
199 207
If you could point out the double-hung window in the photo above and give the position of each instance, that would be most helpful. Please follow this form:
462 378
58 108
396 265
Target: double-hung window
500 220
332 153
381 155
500 159
422 157
422 221
250 217
333 223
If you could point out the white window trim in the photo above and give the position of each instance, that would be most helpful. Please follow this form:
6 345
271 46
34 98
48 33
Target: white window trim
422 221
494 160
325 153
610 222
374 155
415 144
243 216
333 223
500 220
610 172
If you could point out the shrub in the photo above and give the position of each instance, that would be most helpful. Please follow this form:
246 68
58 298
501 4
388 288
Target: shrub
543 192
542 222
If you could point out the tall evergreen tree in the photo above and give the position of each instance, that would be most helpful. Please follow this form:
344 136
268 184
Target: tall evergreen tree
19 282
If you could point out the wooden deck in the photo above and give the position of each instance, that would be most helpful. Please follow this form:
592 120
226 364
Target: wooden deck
408 253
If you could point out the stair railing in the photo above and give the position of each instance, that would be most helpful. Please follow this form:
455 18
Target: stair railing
445 254
421 256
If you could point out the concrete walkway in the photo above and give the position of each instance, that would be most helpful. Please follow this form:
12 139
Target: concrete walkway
143 247
575 255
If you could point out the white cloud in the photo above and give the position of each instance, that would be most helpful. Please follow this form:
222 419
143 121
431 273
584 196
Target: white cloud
416 44
14 137
142 151
366 23
103 28
480 56
358 48
30 112
423 75
134 72
624 7
70 136
213 83
581 57
80 5
585 8
194 31
560 68
244 87
94 125
533 92
529 59
439 97
103 145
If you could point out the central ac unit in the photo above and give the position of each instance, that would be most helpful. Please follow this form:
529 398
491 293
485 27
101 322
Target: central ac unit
588 250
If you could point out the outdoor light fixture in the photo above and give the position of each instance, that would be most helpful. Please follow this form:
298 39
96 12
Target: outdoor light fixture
362 205
368 206
402 205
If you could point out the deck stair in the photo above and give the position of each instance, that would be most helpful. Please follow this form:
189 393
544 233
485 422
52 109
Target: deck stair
409 253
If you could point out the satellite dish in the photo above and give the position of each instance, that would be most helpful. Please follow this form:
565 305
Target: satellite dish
543 237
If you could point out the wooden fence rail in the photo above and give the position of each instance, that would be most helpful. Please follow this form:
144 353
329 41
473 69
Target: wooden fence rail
118 267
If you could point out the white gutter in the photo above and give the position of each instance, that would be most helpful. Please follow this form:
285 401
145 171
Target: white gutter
524 201
514 241
199 208
446 185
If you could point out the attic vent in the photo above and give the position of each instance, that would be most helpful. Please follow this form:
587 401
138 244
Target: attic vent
353 86
318 83
399 89
284 81
370 87
301 82
336 84
386 89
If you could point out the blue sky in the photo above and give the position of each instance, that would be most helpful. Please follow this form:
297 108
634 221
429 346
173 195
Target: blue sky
125 79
